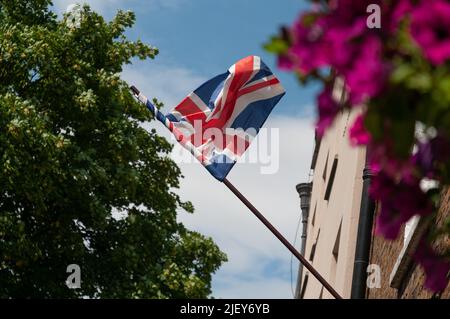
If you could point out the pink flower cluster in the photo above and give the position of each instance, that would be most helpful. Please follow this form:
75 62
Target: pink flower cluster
433 264
342 40
400 200
358 134
339 38
328 108
430 27
396 185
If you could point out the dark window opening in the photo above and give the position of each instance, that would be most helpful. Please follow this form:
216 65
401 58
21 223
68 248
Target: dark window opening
314 215
313 251
305 283
313 248
325 169
331 179
337 243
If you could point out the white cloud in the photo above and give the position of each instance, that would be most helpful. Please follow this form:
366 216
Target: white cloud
261 288
251 248
259 265
169 84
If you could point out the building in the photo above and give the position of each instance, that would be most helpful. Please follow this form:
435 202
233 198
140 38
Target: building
338 222
400 276
334 207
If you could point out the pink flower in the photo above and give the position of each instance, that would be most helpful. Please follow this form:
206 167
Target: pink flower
328 109
358 133
389 222
354 50
430 28
398 13
345 14
342 49
366 78
382 158
285 62
431 154
435 267
344 25
399 202
308 51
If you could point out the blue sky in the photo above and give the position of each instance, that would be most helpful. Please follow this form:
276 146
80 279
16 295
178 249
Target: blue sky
198 39
208 36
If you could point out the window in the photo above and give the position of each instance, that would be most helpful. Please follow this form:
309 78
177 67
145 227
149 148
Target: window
337 243
331 179
305 283
313 252
335 253
313 248
324 174
314 215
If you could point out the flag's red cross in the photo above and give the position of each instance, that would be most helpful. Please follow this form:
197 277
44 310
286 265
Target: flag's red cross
219 116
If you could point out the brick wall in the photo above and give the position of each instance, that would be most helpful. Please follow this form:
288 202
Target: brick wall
384 253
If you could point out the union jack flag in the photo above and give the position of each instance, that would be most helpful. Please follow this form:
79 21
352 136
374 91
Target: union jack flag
218 120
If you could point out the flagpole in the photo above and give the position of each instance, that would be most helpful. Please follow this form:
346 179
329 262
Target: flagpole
285 242
252 208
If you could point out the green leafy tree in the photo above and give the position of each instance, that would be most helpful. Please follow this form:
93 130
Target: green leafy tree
81 182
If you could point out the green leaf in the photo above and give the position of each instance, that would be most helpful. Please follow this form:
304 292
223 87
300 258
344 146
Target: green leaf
403 136
277 45
373 123
419 81
402 73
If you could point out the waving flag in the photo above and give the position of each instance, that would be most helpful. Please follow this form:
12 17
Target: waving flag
218 121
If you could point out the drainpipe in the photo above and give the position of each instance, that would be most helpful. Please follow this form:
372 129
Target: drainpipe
304 191
362 251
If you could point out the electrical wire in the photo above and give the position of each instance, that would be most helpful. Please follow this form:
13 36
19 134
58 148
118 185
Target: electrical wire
295 241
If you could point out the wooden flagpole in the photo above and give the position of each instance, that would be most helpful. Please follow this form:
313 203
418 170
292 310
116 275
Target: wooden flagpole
285 242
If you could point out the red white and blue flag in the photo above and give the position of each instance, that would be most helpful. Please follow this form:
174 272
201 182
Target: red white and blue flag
218 120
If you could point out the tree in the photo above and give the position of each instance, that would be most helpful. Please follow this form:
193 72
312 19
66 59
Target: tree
81 181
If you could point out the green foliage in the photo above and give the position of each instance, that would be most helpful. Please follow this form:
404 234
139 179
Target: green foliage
279 44
276 45
26 12
416 92
73 155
